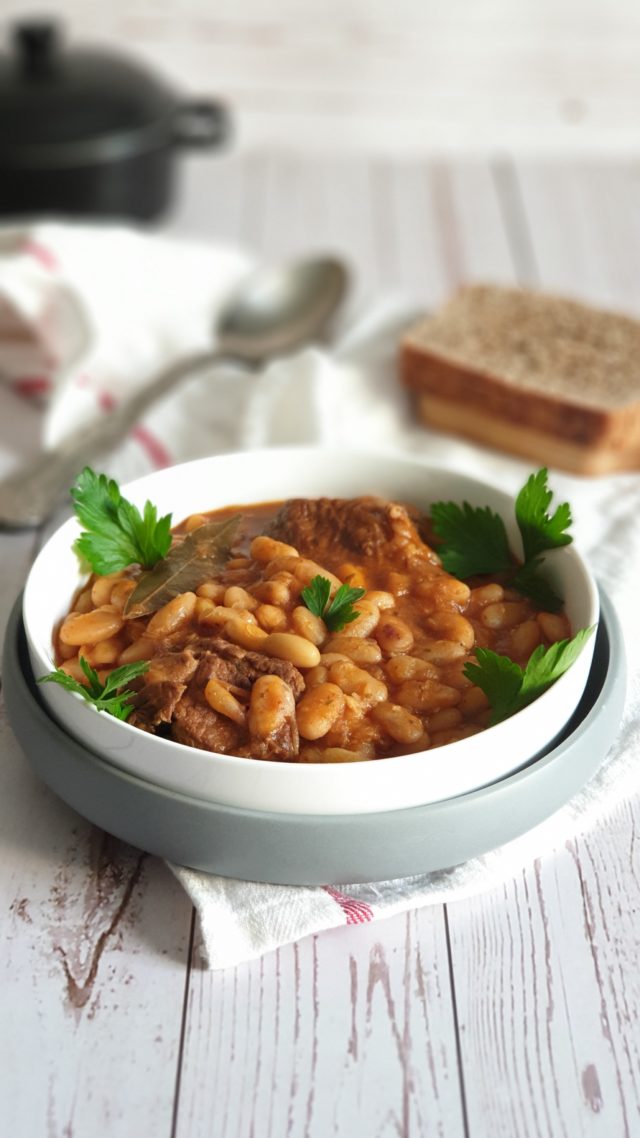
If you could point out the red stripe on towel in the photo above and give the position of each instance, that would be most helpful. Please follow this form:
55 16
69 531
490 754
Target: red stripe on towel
356 912
47 259
105 400
30 385
156 450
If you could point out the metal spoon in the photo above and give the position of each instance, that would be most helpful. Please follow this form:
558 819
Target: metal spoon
272 312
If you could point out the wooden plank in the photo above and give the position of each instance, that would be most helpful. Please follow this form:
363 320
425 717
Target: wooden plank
586 221
210 195
350 1032
470 228
546 1005
94 940
543 1011
93 948
396 222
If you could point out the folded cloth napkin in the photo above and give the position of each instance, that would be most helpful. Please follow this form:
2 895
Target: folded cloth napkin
85 311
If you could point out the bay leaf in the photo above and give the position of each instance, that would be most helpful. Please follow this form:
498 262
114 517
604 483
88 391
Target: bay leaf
202 554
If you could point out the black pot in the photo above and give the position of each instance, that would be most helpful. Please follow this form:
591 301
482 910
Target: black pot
88 132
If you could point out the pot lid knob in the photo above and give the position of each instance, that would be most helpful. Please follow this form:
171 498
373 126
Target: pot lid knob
36 43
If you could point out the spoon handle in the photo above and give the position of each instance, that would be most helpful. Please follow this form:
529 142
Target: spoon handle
30 494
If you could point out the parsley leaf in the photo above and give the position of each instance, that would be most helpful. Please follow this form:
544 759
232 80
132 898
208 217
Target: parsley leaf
546 665
316 595
499 678
110 696
539 530
116 533
531 583
508 687
340 612
474 539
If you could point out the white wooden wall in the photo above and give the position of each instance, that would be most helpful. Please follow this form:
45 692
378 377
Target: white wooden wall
403 76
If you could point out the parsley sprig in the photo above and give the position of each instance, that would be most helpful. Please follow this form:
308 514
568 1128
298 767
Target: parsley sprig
111 696
474 539
340 611
116 533
508 687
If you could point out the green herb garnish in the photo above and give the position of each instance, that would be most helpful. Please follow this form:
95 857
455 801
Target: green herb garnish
340 611
508 687
116 533
110 696
539 530
474 539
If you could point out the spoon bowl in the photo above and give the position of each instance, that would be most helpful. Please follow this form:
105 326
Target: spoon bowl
277 309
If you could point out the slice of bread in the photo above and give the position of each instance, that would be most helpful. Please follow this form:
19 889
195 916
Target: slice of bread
541 376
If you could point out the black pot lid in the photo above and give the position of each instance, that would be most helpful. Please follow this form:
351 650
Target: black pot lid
77 107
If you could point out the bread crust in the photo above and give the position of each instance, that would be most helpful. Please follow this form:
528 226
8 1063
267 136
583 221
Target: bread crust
523 441
551 429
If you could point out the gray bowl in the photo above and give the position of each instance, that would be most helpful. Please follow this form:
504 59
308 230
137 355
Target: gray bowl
309 849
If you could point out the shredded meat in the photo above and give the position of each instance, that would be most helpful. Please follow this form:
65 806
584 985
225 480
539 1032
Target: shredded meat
283 745
155 704
326 528
172 667
240 667
198 725
159 690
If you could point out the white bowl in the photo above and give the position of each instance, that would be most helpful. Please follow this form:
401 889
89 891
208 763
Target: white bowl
344 788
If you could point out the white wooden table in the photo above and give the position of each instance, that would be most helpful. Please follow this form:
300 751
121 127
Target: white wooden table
513 1014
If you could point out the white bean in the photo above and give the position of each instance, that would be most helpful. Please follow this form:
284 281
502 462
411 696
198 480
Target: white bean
172 615
265 548
270 705
398 722
90 627
287 646
309 625
221 700
319 709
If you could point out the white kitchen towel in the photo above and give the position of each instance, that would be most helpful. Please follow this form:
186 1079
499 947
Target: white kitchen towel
87 314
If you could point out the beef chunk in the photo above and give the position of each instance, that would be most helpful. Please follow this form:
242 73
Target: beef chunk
175 667
282 746
198 725
158 691
239 667
155 704
315 525
330 529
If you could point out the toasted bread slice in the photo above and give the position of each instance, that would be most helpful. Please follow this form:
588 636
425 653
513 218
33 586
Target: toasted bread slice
544 377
